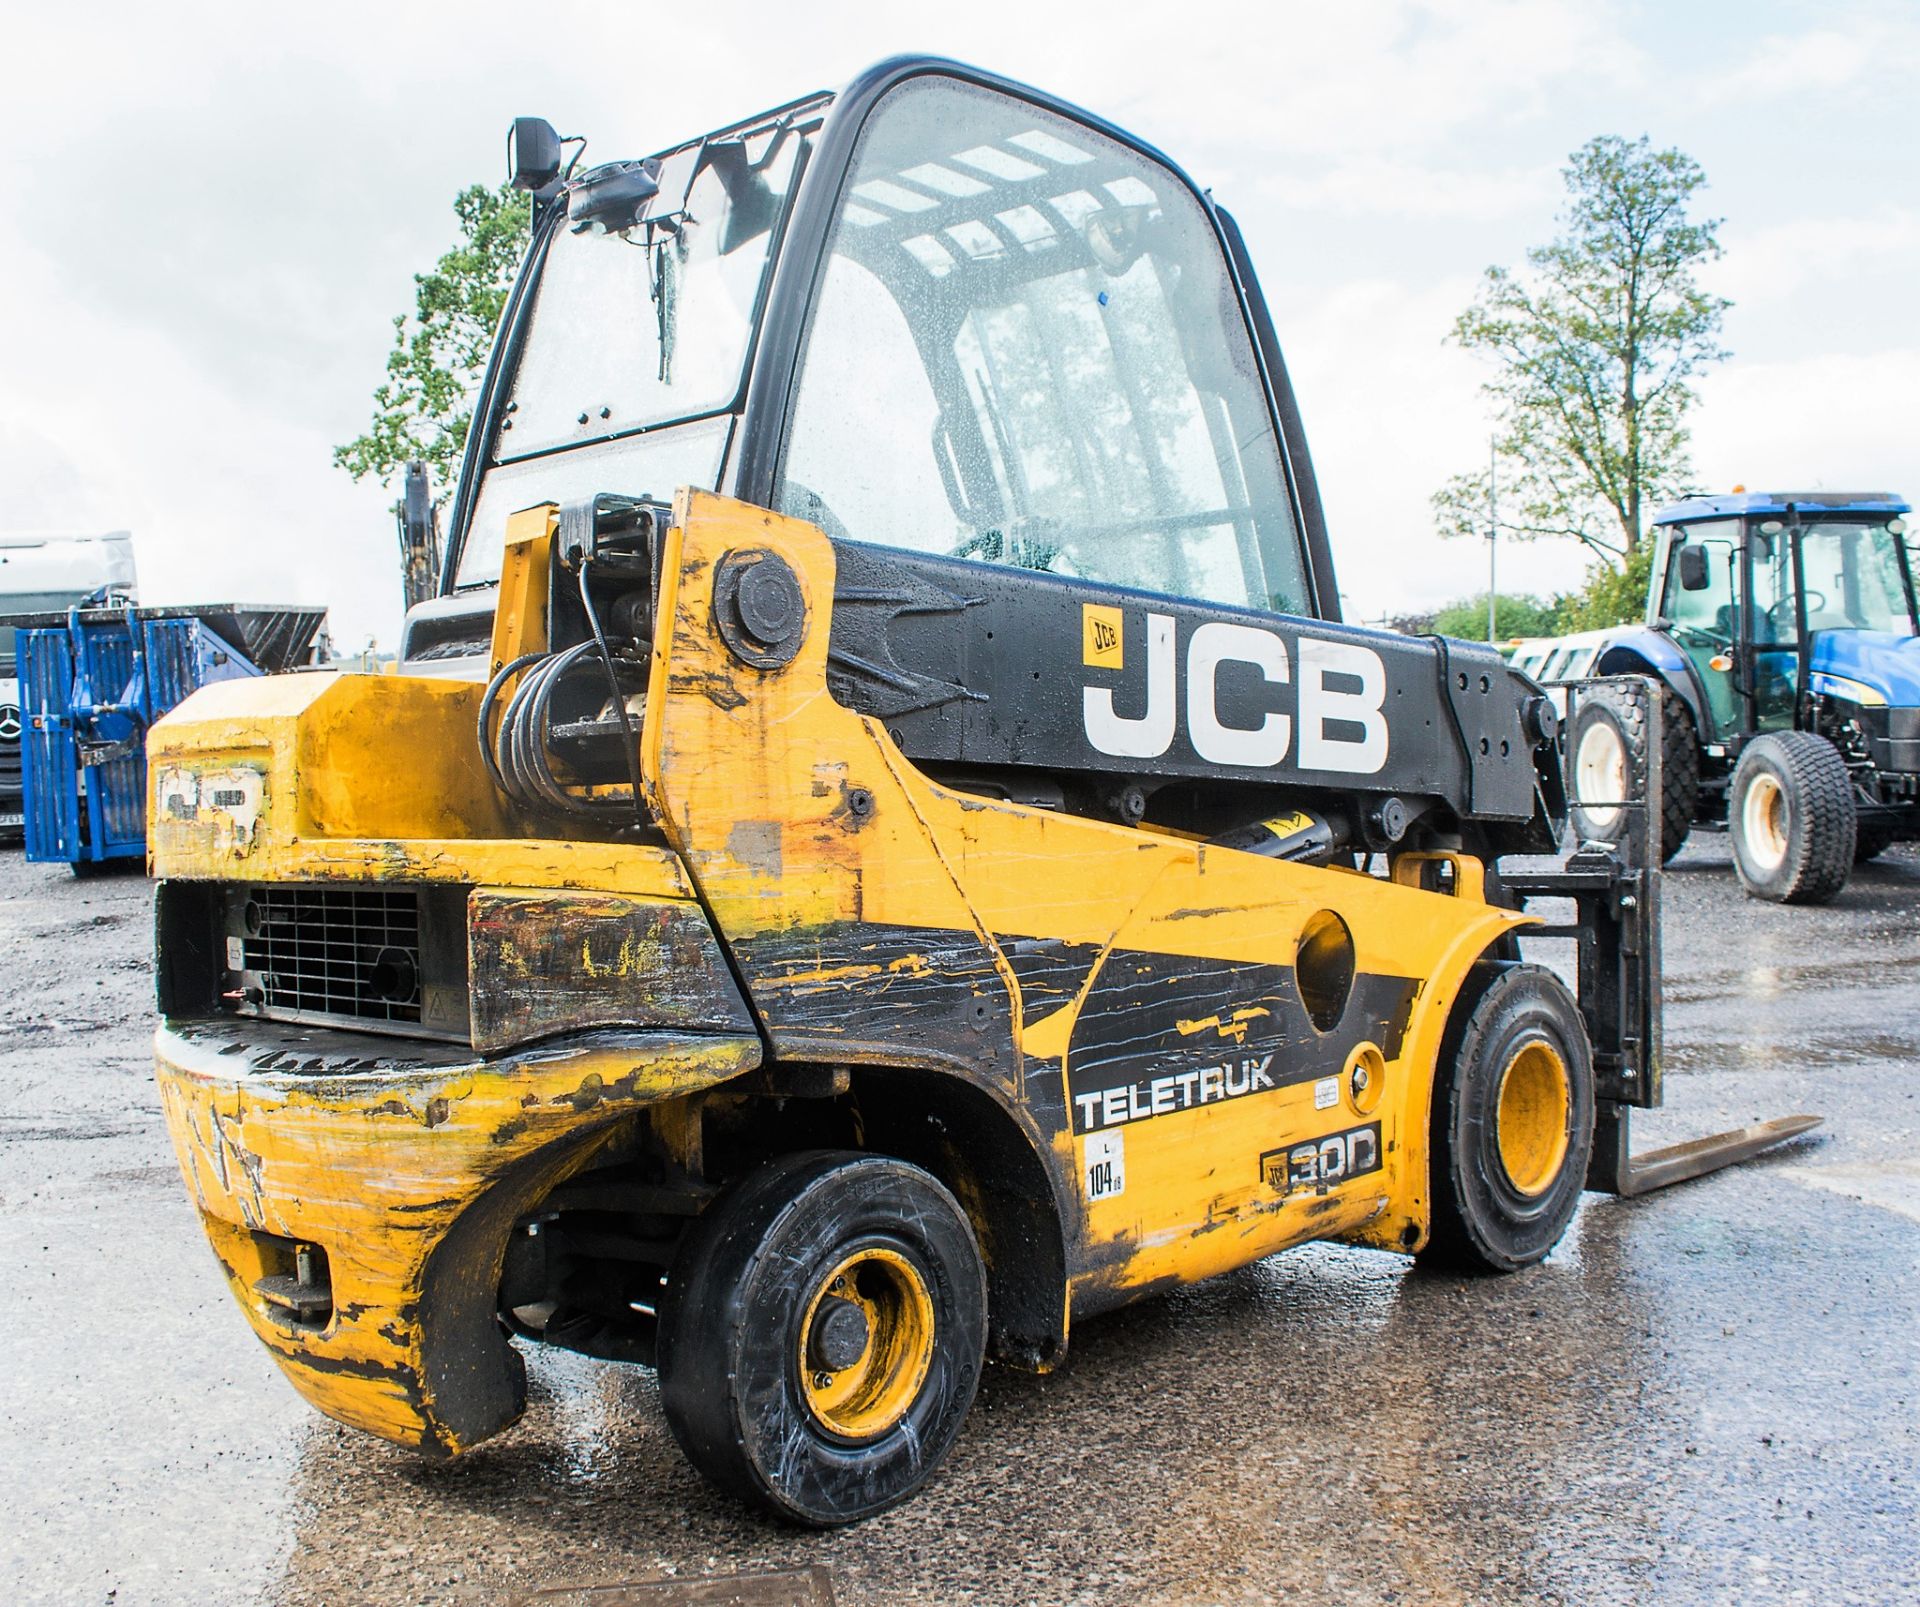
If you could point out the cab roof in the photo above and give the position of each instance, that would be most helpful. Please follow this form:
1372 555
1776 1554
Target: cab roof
1737 503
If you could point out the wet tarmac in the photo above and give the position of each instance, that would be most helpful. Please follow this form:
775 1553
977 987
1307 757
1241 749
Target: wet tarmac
1708 1395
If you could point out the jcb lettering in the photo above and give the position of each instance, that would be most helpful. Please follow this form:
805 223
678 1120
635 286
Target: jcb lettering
1339 705
1323 1163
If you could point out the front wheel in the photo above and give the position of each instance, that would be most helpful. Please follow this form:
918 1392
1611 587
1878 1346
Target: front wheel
1791 817
1512 1124
1607 747
821 1335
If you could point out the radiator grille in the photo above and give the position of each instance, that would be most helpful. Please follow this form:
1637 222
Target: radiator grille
336 951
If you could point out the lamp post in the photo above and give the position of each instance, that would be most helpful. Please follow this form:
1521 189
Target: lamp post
1493 538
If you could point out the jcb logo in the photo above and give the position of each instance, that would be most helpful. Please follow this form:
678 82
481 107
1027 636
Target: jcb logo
1328 713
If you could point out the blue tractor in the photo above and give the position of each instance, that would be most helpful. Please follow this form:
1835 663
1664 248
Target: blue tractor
1782 628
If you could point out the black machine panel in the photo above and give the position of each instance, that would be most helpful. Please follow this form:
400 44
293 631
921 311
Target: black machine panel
975 664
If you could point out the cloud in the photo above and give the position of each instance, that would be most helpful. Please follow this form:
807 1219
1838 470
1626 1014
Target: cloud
202 262
1836 422
1392 412
1776 261
1872 46
1380 185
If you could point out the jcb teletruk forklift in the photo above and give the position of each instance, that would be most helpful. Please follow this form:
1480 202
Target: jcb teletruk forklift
946 872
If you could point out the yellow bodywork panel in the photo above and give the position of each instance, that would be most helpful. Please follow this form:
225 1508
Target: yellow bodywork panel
1129 998
324 776
376 1168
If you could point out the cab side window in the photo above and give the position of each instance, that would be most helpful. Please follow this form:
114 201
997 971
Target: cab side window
1027 350
1705 619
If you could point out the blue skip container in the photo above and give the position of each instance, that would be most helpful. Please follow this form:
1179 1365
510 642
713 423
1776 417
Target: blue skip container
93 679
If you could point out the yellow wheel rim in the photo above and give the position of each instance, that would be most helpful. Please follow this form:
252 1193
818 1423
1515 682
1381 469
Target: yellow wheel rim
1763 822
860 1396
1535 1100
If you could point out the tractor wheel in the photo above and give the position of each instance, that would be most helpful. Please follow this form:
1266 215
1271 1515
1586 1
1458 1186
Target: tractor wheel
1512 1124
1790 815
821 1335
1608 745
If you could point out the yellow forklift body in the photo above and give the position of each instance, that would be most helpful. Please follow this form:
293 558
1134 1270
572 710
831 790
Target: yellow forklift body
874 918
878 916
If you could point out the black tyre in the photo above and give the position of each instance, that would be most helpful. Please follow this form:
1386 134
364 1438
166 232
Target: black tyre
1790 815
821 1335
1512 1123
1608 744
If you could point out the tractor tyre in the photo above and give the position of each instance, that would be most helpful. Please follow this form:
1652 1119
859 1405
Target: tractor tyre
1511 1123
1790 815
1608 744
821 1335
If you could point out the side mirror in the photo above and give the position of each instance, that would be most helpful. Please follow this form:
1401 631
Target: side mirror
533 153
1693 569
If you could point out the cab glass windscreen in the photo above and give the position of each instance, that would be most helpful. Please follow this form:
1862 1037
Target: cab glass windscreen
1027 349
639 328
646 325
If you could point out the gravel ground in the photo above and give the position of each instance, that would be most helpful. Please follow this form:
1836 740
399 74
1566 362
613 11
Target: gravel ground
1706 1395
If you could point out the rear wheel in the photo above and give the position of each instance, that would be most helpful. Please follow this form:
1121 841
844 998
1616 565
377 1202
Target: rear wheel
821 1335
1607 746
1512 1124
1790 815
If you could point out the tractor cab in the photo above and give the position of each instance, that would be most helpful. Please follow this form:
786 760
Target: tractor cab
1774 600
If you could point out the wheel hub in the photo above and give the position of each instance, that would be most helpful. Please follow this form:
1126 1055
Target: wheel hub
866 1343
1600 775
840 1335
1764 822
1534 1103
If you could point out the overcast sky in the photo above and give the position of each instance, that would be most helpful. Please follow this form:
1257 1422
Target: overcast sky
209 216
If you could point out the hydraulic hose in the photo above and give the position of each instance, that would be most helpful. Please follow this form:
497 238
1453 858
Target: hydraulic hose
516 755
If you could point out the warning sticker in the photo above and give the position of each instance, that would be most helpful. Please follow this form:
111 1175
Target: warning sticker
1105 1165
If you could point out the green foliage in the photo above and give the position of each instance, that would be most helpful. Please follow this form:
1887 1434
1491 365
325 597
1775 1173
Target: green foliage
423 408
1512 616
1613 595
1593 347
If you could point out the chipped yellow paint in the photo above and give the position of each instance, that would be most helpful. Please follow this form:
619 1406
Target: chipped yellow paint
727 748
375 1168
364 778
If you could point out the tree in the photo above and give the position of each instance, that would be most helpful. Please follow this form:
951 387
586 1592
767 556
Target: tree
1512 616
1594 346
1613 595
423 408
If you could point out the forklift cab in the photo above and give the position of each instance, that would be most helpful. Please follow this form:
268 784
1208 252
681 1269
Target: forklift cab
1756 596
937 312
